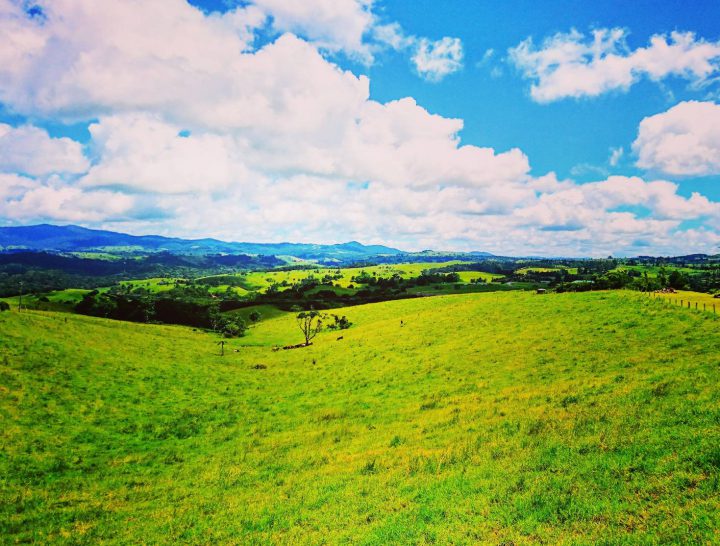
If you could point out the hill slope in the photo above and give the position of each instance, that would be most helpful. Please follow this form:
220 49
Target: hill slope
79 239
571 418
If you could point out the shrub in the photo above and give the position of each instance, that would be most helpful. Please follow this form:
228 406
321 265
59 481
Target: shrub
232 327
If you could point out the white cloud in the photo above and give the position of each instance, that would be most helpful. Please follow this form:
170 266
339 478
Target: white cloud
565 218
594 205
436 59
392 34
433 59
13 186
83 62
574 65
616 154
684 141
141 153
57 201
30 150
352 27
334 25
196 132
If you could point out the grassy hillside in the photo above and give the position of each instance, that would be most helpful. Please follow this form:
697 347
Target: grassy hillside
685 296
485 418
261 280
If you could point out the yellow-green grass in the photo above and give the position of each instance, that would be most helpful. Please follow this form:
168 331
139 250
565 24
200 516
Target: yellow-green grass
266 312
653 270
469 276
261 280
486 418
58 300
222 288
685 296
570 270
157 284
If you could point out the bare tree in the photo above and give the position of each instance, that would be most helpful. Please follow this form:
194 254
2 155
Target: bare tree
310 323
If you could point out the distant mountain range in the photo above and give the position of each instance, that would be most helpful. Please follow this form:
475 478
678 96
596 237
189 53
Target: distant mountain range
46 237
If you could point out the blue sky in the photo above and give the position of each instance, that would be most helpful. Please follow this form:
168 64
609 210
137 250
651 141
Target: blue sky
556 136
557 128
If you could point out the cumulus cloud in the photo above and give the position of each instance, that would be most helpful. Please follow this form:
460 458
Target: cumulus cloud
13 186
57 201
351 27
30 150
684 141
83 61
575 65
141 153
593 209
196 131
334 25
435 60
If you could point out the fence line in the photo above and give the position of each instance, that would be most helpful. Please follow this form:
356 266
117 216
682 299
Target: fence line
682 302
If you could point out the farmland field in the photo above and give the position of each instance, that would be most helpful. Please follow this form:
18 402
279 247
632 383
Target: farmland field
261 280
686 296
572 270
505 417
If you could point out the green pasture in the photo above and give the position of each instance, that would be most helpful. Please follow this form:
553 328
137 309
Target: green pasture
499 418
157 284
524 270
654 270
683 297
58 300
261 280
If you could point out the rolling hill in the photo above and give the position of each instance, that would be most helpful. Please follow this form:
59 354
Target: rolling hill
497 418
79 239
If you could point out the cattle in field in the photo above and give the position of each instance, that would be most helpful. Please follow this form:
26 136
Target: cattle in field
296 346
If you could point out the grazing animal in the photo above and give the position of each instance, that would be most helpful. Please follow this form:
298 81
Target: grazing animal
341 337
276 349
296 346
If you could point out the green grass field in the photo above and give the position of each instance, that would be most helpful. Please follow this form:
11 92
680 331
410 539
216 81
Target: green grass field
499 418
653 270
261 280
682 297
571 270
57 300
158 284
